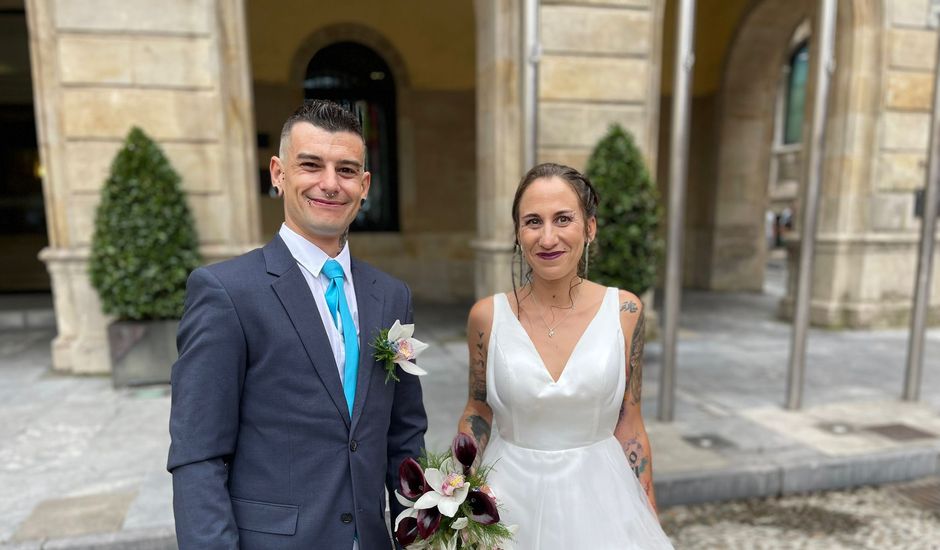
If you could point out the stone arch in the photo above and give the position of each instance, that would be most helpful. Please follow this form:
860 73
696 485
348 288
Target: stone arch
747 108
347 32
747 102
367 36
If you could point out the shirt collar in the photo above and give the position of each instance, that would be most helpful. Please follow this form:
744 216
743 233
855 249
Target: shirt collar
310 256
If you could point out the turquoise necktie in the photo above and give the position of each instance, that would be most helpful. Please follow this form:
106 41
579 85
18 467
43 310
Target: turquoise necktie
336 300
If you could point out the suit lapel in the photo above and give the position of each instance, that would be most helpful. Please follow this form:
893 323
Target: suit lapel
369 302
294 293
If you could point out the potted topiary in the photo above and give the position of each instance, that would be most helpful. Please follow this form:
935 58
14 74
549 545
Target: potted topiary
627 249
143 249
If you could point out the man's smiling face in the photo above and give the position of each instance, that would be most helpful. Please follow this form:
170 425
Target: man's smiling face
323 177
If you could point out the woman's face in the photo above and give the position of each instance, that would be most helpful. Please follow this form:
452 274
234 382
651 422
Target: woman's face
552 228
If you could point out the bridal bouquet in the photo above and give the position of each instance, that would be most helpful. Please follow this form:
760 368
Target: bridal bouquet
448 504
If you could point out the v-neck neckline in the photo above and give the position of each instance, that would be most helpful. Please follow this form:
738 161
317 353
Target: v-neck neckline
577 344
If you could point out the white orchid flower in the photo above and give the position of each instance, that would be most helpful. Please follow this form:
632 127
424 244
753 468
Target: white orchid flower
408 512
406 348
449 488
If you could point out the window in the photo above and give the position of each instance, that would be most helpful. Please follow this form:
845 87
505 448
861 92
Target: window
796 95
356 76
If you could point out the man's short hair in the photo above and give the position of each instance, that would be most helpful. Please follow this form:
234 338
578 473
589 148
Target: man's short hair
324 114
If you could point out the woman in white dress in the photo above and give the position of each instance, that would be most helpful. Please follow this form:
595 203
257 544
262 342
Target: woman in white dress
555 384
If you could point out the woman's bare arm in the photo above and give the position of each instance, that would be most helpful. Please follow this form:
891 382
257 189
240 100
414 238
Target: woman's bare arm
630 430
477 418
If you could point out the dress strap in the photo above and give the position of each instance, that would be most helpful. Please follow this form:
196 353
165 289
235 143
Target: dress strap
500 304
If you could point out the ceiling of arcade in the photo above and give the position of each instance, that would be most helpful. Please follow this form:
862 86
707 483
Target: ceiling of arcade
433 39
716 22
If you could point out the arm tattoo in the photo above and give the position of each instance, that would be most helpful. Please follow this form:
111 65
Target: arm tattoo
637 342
478 371
480 428
628 306
636 456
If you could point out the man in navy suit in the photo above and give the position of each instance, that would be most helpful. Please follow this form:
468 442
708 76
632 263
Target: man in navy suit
284 431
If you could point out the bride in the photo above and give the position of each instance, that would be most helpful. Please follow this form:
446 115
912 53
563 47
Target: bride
555 384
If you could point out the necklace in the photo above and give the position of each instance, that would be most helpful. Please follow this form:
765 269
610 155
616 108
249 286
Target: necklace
551 329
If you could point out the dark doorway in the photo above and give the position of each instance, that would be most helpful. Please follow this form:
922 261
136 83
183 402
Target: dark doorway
356 76
22 212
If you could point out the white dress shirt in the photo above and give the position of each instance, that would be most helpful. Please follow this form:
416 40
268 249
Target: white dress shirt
311 258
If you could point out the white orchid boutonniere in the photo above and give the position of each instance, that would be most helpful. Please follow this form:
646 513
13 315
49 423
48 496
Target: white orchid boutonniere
395 346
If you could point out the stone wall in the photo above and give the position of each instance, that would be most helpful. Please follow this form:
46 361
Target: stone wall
600 65
880 235
177 69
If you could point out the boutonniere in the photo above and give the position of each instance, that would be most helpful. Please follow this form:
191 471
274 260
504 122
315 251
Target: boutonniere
395 346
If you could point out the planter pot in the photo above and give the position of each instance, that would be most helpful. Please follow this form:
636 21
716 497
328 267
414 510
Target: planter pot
142 352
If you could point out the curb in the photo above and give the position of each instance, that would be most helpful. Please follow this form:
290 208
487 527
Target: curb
823 474
163 538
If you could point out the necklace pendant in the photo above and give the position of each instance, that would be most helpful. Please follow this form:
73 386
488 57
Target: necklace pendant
551 333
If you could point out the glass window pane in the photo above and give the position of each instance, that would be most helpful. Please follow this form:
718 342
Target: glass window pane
796 95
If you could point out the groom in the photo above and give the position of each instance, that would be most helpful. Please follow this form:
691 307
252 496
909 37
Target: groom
284 435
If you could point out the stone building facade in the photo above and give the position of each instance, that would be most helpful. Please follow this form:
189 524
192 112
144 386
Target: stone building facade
212 81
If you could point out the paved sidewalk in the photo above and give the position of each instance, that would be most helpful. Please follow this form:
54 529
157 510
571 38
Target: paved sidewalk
82 465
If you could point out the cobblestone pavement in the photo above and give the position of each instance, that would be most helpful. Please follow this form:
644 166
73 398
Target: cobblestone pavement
905 516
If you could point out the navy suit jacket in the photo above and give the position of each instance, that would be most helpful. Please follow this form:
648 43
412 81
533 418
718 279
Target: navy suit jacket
264 453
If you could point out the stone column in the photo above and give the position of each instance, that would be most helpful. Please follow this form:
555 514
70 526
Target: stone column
600 65
179 70
499 139
875 159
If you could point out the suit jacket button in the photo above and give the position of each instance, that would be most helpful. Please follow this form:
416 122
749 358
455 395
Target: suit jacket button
353 445
346 518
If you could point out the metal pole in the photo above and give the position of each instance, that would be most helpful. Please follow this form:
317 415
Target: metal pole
678 169
814 168
915 345
531 53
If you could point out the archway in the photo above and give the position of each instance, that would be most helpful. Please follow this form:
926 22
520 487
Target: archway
747 110
357 76
22 211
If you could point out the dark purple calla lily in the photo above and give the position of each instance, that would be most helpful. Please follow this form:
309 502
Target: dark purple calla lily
465 450
428 522
411 479
482 508
407 531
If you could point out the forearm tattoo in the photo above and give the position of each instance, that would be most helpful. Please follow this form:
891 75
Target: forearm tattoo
636 456
481 429
637 342
478 370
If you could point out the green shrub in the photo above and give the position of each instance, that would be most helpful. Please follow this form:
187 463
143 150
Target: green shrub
626 251
144 245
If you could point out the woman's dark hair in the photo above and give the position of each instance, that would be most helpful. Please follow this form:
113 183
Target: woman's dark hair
587 199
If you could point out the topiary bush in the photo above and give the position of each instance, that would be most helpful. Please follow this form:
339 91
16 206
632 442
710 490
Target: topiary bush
626 251
145 245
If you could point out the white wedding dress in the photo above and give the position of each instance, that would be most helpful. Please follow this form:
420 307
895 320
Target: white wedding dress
557 470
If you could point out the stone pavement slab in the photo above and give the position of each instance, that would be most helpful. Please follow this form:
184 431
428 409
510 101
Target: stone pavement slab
71 444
